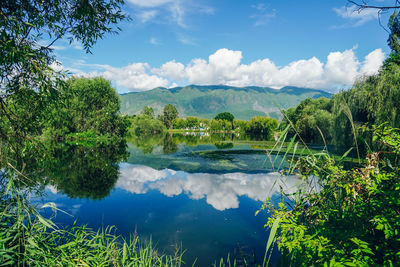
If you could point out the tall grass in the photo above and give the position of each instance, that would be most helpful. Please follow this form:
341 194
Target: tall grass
29 239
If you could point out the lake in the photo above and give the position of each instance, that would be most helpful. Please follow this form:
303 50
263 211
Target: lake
198 192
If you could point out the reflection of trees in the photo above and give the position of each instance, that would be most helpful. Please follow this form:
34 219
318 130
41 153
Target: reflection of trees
87 172
220 145
169 141
169 146
77 171
146 143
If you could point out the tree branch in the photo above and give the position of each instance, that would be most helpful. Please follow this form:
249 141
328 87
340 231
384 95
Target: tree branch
365 5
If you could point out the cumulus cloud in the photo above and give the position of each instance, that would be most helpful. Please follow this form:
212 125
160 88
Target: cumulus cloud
372 62
356 17
134 76
221 191
225 66
172 69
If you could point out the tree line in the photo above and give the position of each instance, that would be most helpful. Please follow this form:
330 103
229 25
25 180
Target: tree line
147 123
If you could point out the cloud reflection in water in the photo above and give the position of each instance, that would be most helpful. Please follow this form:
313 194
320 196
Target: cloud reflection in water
220 190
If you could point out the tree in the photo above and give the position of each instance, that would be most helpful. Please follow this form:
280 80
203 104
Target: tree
260 125
192 122
25 62
225 116
179 123
169 115
148 111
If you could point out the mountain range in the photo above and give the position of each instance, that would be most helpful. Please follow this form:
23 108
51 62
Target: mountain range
207 101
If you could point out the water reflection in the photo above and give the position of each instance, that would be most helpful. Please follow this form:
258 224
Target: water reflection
169 141
221 191
76 171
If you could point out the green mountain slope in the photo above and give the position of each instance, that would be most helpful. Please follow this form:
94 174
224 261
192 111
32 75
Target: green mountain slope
207 101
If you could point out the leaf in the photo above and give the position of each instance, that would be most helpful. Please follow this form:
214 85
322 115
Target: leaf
272 233
46 222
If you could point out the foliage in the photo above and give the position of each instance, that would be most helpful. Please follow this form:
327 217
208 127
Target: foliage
351 218
25 62
169 115
225 116
148 111
220 125
29 239
192 123
312 120
146 125
394 27
86 105
262 126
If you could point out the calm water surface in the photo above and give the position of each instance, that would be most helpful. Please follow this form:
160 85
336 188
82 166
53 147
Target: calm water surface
199 193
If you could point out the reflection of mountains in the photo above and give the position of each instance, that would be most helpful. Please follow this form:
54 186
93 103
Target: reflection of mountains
220 190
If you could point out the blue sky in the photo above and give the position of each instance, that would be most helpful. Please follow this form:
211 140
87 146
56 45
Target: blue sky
322 44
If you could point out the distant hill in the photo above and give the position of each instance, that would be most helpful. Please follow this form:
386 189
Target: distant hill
207 101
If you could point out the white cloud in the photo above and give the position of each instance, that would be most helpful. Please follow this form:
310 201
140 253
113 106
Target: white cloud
373 61
225 66
178 13
263 14
341 67
133 77
172 69
146 15
154 41
171 11
149 3
356 17
187 40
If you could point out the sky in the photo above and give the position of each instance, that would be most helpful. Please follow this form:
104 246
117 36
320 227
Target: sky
321 44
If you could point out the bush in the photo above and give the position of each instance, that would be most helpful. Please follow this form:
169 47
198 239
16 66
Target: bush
352 218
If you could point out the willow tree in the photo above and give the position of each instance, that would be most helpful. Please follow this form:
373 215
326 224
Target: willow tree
28 31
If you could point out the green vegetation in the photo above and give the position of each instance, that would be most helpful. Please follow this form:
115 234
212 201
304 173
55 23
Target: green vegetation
311 119
169 115
207 101
346 218
85 105
262 126
82 108
25 72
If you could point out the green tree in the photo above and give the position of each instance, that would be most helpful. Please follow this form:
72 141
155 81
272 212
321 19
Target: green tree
179 123
169 114
25 62
87 105
192 123
260 125
312 120
145 125
148 111
225 116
